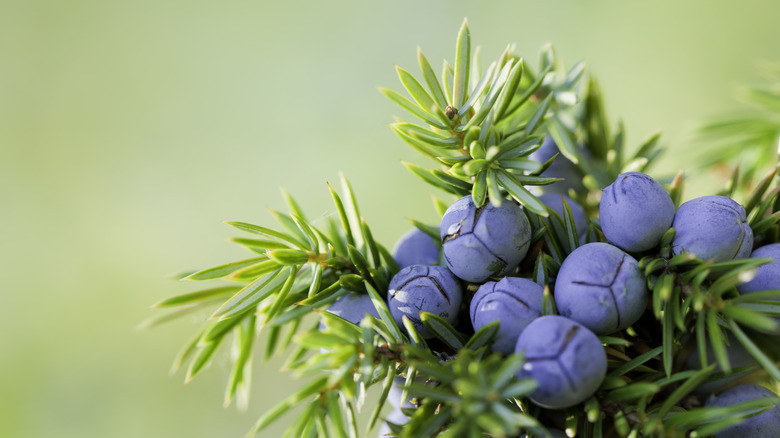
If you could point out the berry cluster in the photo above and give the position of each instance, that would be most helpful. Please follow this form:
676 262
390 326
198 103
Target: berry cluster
598 290
564 289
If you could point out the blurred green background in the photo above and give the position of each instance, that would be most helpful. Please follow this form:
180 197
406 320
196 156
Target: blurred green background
130 130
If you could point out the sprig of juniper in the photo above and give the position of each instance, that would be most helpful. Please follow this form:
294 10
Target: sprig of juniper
293 272
679 306
480 136
695 304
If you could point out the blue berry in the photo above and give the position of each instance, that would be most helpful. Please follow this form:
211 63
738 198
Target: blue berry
763 425
513 301
561 167
419 288
635 212
353 307
480 242
712 228
601 287
415 248
566 359
555 202
768 275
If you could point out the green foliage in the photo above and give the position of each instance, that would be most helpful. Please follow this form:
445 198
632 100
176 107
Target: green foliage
477 394
481 135
749 137
480 127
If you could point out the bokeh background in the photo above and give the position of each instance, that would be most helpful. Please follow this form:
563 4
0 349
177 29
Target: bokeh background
130 130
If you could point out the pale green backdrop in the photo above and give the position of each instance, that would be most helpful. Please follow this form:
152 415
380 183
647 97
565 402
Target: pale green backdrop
130 130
